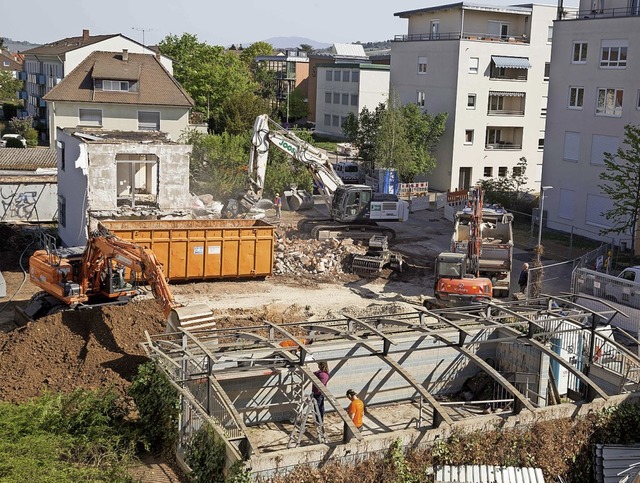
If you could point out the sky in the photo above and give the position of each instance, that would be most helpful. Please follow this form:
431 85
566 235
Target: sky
223 22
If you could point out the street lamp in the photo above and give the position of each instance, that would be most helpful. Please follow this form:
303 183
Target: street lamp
542 190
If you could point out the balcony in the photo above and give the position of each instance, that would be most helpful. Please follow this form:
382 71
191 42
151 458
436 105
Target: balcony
618 12
509 68
24 95
480 36
506 103
504 138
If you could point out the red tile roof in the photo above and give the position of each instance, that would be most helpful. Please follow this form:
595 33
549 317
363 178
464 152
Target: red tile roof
156 86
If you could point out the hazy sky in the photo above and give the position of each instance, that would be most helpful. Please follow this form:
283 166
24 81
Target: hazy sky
221 22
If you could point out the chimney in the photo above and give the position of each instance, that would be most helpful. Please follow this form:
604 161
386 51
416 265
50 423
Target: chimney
158 55
85 34
125 55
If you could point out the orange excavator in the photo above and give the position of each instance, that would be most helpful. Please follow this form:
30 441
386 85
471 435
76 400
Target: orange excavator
457 275
77 277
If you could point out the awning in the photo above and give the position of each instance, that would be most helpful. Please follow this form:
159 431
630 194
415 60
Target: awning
506 94
511 62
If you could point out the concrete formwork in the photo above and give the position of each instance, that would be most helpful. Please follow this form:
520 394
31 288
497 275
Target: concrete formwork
419 373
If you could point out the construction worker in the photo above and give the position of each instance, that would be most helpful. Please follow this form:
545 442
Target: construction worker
323 374
277 202
356 408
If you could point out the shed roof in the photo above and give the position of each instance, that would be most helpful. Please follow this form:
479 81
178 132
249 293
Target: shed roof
30 159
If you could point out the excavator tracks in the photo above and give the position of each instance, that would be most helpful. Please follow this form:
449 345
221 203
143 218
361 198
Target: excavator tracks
324 229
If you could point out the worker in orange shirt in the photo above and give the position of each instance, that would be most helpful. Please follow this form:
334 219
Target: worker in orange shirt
356 408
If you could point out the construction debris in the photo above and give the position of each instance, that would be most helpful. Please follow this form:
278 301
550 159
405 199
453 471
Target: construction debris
299 256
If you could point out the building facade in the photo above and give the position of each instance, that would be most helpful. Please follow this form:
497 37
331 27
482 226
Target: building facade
110 174
292 72
338 53
347 88
47 65
120 91
488 68
594 93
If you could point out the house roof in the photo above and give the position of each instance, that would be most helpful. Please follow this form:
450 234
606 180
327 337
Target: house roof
349 50
156 86
466 6
29 159
67 45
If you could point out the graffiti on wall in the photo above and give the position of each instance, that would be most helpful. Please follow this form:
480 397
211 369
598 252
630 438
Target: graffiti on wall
18 204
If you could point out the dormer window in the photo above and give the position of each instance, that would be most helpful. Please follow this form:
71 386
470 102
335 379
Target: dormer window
114 85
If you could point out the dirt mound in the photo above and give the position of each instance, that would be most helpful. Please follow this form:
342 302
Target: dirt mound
76 349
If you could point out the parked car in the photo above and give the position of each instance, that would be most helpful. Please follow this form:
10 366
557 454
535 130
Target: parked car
6 137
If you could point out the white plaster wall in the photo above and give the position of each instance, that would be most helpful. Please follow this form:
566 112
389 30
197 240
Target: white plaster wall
448 82
118 117
582 177
374 88
72 184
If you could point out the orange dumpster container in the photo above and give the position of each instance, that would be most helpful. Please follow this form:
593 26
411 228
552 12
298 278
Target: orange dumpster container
203 249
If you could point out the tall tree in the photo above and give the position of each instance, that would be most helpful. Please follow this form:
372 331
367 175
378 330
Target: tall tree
621 177
208 73
9 86
397 137
249 54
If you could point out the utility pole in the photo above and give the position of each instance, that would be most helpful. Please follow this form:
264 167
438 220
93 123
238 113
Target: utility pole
143 30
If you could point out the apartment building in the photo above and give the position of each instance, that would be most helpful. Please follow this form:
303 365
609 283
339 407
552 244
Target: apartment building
488 68
348 88
337 53
292 71
594 93
45 66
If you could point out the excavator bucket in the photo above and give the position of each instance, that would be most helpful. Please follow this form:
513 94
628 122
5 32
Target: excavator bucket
378 256
190 317
298 200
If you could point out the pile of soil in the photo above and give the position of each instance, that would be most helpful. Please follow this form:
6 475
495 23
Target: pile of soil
89 349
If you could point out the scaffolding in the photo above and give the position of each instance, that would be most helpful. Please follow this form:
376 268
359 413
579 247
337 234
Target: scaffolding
237 379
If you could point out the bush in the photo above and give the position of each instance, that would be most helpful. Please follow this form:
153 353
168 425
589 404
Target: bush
158 406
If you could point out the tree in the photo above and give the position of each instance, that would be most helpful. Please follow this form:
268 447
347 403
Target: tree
621 183
238 113
308 48
508 190
208 73
9 85
24 127
256 49
298 107
401 137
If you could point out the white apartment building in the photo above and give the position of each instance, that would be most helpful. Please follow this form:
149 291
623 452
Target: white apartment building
488 68
345 88
45 66
594 93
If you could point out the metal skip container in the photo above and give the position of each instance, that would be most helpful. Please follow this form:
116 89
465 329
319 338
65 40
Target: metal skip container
203 249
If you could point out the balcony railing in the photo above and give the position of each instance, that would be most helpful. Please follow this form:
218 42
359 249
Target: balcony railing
504 145
602 13
505 112
462 36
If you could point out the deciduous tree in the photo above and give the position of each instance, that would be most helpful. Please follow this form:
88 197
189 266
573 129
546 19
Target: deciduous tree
621 183
9 86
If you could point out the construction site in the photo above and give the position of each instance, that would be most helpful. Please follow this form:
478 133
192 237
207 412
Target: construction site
423 374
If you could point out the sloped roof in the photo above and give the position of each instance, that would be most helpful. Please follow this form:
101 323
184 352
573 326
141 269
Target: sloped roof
67 45
156 86
28 159
351 50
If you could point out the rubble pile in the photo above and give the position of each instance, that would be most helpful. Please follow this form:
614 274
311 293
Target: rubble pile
297 256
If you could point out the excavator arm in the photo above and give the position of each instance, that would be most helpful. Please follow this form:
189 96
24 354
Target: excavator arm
104 249
266 132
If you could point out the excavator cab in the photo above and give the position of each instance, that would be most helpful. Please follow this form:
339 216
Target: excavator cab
454 286
351 203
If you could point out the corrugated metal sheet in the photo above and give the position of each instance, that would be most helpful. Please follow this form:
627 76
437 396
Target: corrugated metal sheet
511 62
487 474
351 50
617 463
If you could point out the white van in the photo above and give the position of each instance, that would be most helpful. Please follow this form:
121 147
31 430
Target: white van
350 173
